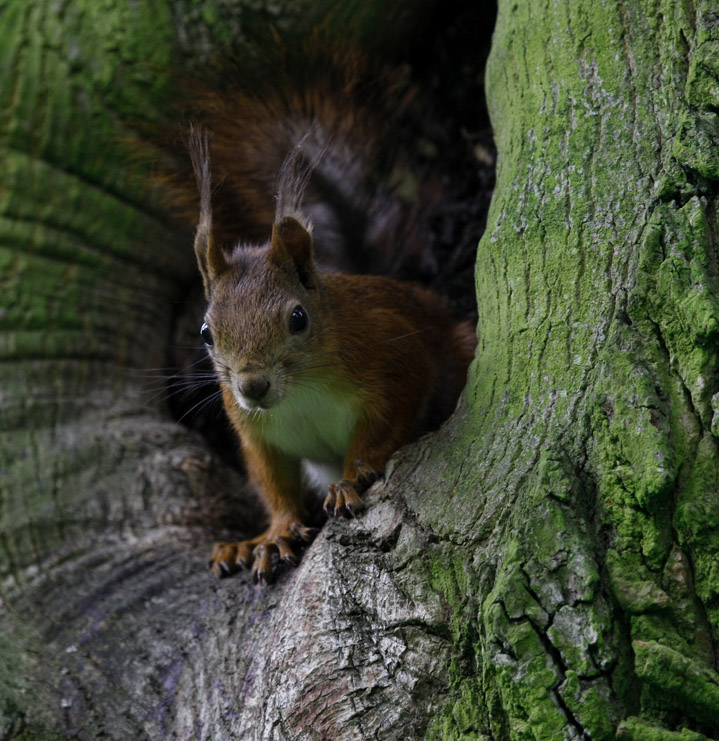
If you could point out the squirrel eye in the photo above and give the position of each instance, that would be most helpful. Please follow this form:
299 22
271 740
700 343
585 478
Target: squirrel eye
298 320
206 334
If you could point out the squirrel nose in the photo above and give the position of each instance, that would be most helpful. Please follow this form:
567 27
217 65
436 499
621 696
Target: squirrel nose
255 388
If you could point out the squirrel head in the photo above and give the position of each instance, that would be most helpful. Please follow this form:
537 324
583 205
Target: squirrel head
263 317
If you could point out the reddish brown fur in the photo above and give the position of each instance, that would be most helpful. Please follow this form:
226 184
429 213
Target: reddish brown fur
380 361
390 347
362 112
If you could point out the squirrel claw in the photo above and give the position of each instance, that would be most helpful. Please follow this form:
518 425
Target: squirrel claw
343 499
223 561
219 568
262 553
262 571
244 555
286 552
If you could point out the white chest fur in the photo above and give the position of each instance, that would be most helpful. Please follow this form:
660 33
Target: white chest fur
315 422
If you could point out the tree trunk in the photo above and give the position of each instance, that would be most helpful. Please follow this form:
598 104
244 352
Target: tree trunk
595 512
546 566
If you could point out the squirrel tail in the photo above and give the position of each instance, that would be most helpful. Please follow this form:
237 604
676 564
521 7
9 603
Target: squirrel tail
325 140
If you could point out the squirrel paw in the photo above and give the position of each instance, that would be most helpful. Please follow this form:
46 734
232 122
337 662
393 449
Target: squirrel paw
343 499
227 558
261 553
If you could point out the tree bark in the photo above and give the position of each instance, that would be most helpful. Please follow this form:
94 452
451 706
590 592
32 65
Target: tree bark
546 566
585 468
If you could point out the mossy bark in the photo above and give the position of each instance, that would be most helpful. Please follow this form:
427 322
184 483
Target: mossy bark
584 469
547 566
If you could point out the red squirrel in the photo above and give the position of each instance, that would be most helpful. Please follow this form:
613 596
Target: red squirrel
330 369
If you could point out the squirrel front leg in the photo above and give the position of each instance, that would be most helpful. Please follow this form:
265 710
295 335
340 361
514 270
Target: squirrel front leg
365 462
278 478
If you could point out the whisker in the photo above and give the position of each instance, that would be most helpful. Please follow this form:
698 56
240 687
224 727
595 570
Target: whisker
182 380
171 391
200 404
169 369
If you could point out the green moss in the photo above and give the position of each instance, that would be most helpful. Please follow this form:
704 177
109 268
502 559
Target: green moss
568 117
633 585
587 703
684 684
543 614
451 580
680 294
460 721
702 87
633 435
465 716
641 729
660 628
525 668
580 634
695 145
696 520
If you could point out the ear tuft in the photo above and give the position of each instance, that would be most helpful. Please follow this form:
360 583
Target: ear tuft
210 258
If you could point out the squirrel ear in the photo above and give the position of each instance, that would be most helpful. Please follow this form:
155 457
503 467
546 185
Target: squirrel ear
292 243
210 258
